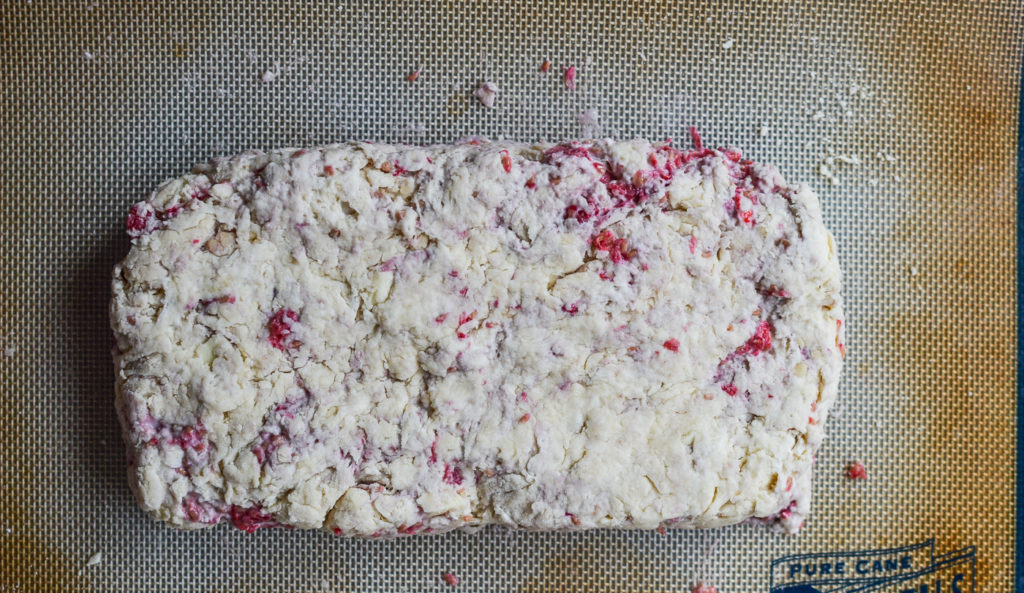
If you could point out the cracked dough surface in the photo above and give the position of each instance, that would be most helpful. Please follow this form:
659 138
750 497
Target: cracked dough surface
379 340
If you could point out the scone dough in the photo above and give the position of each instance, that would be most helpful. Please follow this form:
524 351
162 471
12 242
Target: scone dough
377 340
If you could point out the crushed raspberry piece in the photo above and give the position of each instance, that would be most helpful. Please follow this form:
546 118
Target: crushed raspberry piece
524 418
337 530
572 309
696 138
604 241
731 389
693 245
787 512
568 149
397 169
703 588
661 530
570 78
789 483
140 220
544 67
440 318
191 437
328 170
452 475
856 471
412 76
506 161
523 397
250 519
760 342
465 318
732 155
450 578
620 252
672 344
433 450
280 328
531 182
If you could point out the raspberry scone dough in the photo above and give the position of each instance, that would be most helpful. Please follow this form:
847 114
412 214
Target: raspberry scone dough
380 340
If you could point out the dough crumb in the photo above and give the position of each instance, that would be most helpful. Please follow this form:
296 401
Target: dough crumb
728 44
570 78
487 93
270 74
763 130
590 127
10 350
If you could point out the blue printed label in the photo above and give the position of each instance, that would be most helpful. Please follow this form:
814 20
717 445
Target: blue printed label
909 569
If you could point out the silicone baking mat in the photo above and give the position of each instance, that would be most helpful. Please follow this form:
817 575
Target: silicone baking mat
901 114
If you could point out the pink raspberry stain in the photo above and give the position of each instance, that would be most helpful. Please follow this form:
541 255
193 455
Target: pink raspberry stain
250 519
452 475
451 579
703 588
856 471
787 512
731 389
743 216
269 442
506 161
671 344
280 329
198 511
191 438
570 78
693 245
572 309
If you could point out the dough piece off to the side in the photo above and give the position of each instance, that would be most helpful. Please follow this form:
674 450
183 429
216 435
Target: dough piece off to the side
378 340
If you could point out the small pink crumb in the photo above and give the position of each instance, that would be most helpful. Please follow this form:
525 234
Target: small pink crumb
413 75
702 588
545 66
451 579
487 93
856 471
661 530
693 245
730 389
570 78
524 418
672 344
506 161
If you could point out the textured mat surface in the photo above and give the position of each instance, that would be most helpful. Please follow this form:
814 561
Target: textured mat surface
911 108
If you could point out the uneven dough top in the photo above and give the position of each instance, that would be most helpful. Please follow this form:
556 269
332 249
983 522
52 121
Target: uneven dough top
377 339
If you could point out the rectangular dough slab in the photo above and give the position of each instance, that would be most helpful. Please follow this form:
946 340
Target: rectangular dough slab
378 340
